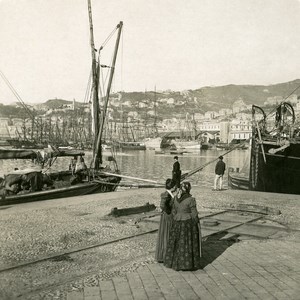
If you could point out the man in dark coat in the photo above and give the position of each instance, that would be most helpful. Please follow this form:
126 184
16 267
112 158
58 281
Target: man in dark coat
219 171
176 172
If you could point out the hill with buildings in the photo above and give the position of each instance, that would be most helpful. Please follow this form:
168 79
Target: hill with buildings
216 113
210 98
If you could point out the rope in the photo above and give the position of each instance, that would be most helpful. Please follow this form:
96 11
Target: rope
28 111
108 38
254 167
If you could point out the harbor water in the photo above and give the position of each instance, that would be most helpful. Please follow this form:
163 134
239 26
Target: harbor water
151 166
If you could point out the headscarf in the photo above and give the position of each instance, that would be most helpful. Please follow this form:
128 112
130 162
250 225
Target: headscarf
184 191
170 183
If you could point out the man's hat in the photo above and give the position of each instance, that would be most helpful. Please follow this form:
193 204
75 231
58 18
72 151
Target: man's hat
221 157
175 157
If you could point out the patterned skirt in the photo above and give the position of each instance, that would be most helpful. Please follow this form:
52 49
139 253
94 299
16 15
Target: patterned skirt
183 249
163 236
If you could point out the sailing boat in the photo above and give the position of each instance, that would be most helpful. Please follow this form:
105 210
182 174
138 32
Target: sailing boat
274 161
95 179
275 151
153 141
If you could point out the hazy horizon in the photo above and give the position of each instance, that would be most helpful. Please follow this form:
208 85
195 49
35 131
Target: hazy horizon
177 45
79 100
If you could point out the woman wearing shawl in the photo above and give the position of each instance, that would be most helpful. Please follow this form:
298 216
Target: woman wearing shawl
184 244
166 219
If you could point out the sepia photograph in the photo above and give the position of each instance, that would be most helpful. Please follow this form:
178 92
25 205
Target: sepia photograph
149 149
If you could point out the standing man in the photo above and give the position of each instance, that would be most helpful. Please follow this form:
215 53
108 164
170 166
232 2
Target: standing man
219 171
176 172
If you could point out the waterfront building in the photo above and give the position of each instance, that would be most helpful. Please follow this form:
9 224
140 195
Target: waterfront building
239 130
4 133
209 126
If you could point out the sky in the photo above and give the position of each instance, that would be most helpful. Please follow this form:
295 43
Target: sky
166 44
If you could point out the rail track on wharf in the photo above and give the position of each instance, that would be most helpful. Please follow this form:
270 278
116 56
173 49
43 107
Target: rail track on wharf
58 271
61 255
41 275
74 250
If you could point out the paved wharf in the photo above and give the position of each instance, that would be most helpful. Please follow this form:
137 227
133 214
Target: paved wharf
246 270
240 259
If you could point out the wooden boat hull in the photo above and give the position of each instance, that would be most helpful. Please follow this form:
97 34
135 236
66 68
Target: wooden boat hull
153 143
238 181
131 146
204 146
159 152
281 171
176 152
231 146
187 144
109 184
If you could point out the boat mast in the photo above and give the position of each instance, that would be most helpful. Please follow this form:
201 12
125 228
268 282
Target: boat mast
98 128
95 104
98 150
155 114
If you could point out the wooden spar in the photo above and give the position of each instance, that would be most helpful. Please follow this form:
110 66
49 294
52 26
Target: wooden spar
260 141
95 105
133 185
112 70
186 175
130 177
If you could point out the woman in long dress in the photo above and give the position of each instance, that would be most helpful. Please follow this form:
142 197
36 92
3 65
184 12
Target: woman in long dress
166 203
184 244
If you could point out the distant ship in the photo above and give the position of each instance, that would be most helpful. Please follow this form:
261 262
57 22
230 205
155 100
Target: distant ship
131 145
236 144
153 143
191 145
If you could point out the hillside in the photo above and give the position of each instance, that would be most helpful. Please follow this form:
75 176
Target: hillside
215 98
199 100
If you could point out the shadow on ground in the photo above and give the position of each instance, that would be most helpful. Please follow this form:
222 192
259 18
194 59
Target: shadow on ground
213 247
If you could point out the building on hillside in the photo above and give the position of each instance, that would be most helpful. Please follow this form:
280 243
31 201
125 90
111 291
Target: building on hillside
225 111
17 121
198 117
127 103
133 114
209 115
4 121
297 107
151 113
243 116
4 133
170 101
179 103
293 99
273 100
238 106
170 124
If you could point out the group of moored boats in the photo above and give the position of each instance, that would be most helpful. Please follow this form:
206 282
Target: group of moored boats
274 163
30 185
